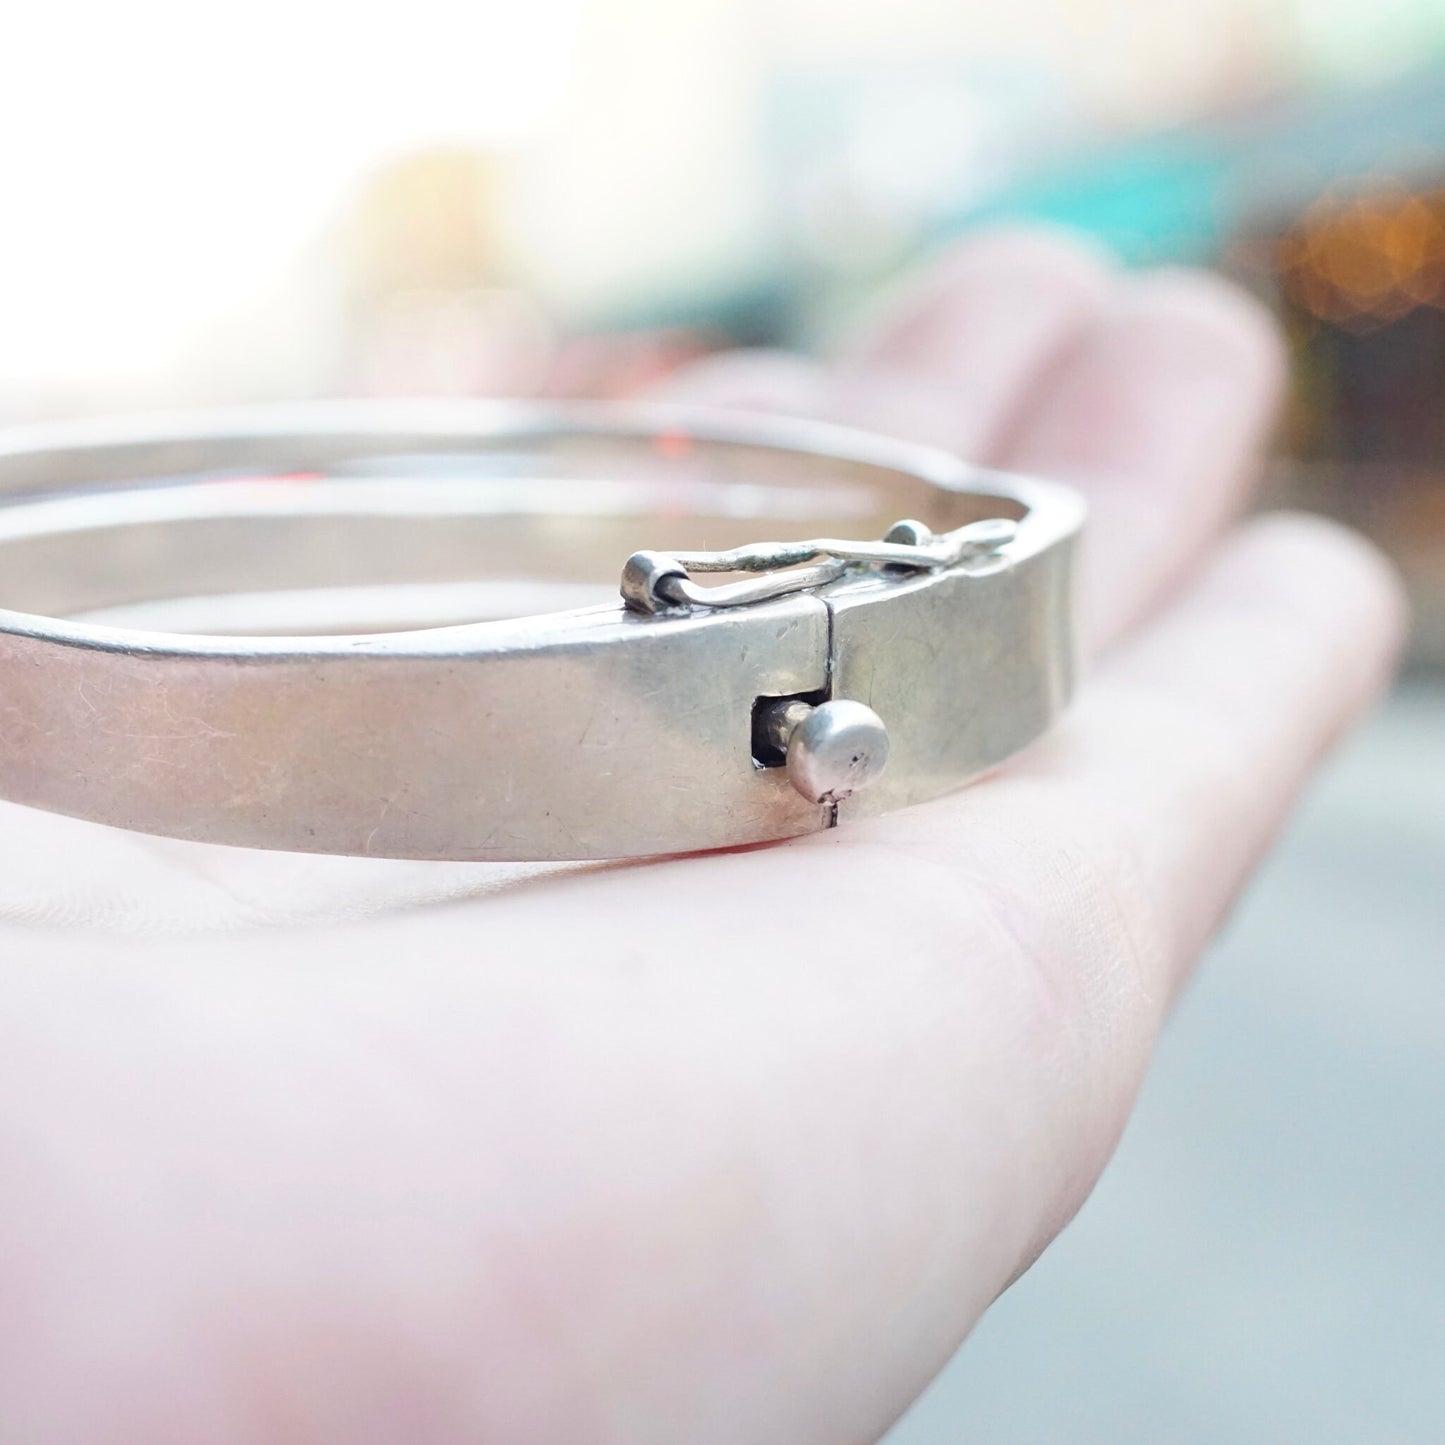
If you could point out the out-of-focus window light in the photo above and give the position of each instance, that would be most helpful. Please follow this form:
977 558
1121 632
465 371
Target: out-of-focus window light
159 160
182 184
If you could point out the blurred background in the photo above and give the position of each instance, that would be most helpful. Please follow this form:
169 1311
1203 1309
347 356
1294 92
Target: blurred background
205 205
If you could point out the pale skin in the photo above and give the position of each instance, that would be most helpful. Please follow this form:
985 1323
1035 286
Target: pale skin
732 1148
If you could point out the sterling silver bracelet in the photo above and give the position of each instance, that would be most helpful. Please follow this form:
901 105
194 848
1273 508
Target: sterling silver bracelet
332 627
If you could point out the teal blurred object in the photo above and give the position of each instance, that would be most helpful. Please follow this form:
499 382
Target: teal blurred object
1182 195
1161 200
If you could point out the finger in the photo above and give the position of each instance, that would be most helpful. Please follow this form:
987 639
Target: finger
1158 416
1198 734
948 359
953 357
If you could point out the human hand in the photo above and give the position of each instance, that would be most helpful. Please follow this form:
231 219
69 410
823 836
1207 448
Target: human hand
722 1148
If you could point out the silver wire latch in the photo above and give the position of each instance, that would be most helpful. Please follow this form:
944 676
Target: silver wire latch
657 581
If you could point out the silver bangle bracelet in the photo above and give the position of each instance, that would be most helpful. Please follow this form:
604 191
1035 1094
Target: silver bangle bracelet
688 714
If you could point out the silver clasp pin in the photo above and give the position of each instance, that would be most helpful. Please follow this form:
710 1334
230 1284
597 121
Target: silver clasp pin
657 581
833 750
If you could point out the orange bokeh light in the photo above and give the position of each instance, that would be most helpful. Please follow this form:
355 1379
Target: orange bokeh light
1367 259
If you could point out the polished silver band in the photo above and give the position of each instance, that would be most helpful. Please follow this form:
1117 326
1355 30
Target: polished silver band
684 718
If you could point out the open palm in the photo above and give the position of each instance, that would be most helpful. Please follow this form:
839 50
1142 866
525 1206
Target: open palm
725 1148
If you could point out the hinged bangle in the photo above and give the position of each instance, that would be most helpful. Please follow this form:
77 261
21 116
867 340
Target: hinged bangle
334 699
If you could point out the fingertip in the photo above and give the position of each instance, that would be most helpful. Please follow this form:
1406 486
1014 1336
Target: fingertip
1072 261
1297 617
1045 268
1158 414
1338 573
1213 321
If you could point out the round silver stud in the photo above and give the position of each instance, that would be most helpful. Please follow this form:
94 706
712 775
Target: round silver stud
839 748
909 533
